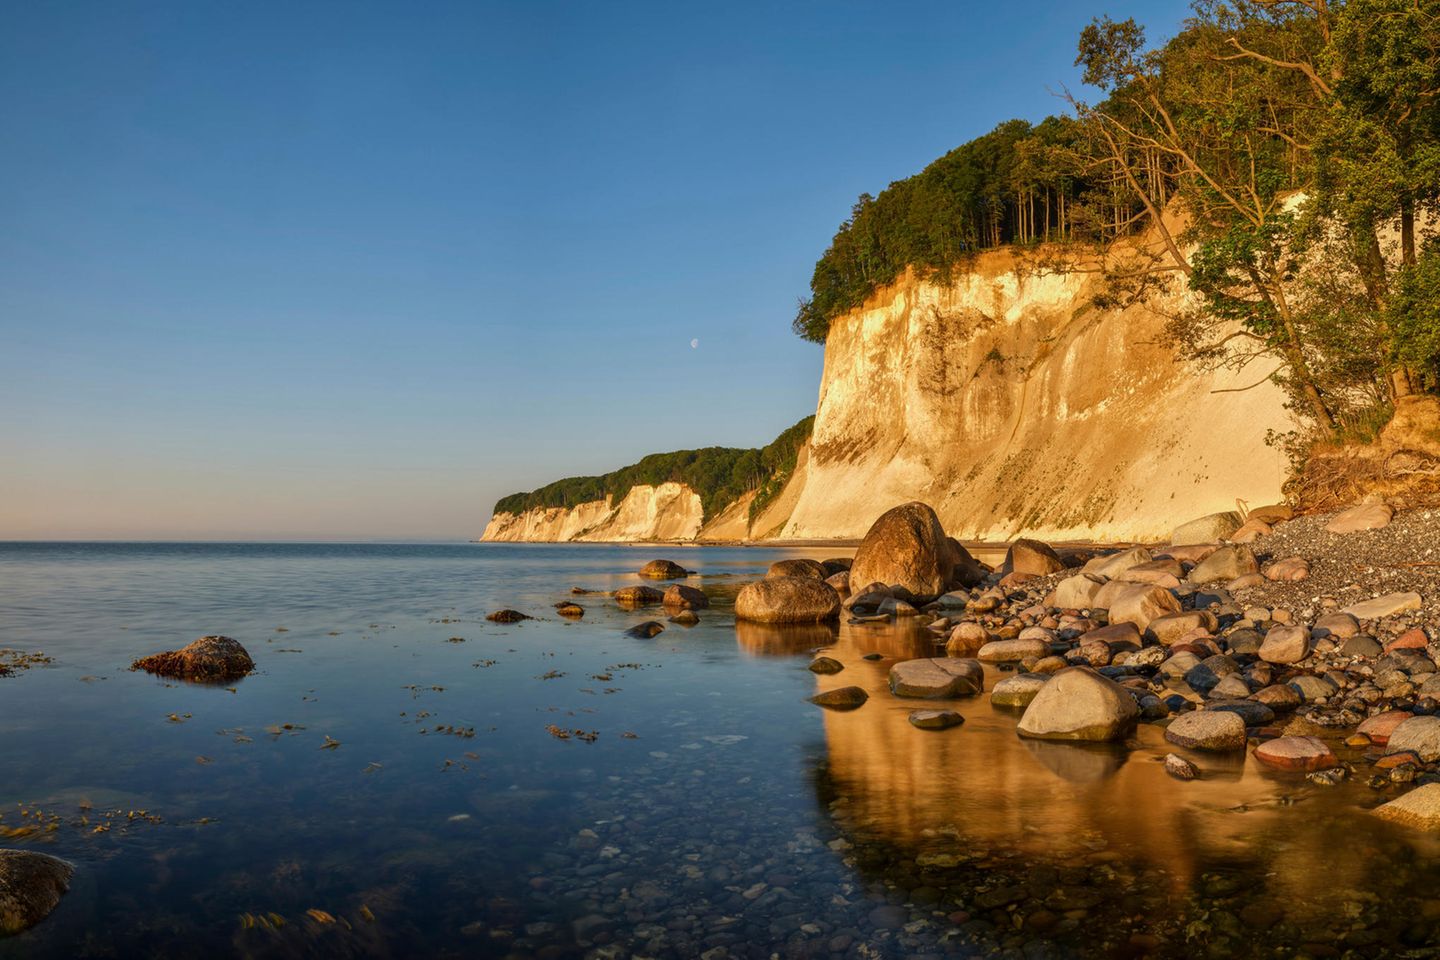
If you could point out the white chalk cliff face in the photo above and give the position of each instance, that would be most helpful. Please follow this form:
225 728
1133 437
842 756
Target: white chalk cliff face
1011 404
1007 401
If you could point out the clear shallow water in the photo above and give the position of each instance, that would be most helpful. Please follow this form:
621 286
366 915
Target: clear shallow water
737 817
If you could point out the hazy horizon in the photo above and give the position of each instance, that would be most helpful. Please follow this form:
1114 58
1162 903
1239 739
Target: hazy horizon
348 272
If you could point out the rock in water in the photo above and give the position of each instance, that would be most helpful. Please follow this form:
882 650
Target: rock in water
907 550
638 596
1418 808
797 568
570 610
1032 557
1180 768
1017 691
1207 730
1010 651
1079 704
646 630
681 597
826 665
935 719
842 698
207 660
1420 734
1208 529
686 618
1295 753
937 678
31 885
663 570
787 600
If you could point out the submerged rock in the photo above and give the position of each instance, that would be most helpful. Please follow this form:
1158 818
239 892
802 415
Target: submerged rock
686 618
1017 691
907 550
646 630
638 596
207 660
663 570
31 885
681 597
935 719
1418 808
570 610
787 600
1180 768
937 678
826 665
841 698
1079 704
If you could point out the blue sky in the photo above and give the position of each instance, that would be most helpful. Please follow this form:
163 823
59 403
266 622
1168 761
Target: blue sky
356 270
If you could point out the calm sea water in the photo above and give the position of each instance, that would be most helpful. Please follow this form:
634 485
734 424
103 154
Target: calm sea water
389 782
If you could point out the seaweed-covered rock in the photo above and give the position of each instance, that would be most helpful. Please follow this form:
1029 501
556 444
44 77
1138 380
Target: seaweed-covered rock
31 885
507 616
207 660
638 596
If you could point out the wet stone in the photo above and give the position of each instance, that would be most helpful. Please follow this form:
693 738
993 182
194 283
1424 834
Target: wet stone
842 698
826 665
935 719
31 885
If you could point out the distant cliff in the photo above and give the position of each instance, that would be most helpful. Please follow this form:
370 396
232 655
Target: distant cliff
1002 396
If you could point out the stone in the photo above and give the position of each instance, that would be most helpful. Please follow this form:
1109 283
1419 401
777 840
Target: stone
31 885
1385 606
1112 565
663 570
570 610
841 698
1121 637
1272 514
1141 603
1367 516
646 630
966 639
1164 571
1381 726
638 596
1412 639
836 565
1231 686
1278 696
1289 570
935 719
1361 646
798 567
1418 808
1079 704
1011 651
826 665
1076 593
686 618
1207 529
1017 691
1216 730
1251 530
1418 734
1172 626
210 660
840 582
1296 753
1227 563
1251 712
1207 673
1180 768
906 549
1285 644
937 678
681 597
787 600
1335 624
1032 557
1313 688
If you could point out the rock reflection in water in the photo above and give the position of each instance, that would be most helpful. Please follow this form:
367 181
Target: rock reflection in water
910 799
782 639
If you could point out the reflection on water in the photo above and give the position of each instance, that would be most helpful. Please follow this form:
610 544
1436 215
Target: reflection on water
715 810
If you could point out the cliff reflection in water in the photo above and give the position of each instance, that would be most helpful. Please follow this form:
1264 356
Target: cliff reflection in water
957 796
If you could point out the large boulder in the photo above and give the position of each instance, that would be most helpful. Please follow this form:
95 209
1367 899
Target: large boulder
207 660
787 600
663 570
681 597
1112 565
1032 557
1079 704
937 678
1227 563
1140 603
1208 529
31 885
1367 516
797 567
907 550
1077 592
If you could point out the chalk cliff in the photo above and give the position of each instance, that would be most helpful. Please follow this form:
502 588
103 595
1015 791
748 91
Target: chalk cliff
1008 401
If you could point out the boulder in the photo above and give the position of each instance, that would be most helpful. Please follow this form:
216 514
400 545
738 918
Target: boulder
1251 530
1172 626
1017 691
935 719
1418 808
1419 734
1367 516
1012 651
1166 570
798 567
1207 730
1286 644
1076 593
681 597
840 582
1207 529
1079 704
1295 753
211 660
638 596
967 639
1380 727
1227 563
787 600
1385 606
907 550
841 698
1141 603
1112 565
1272 514
1288 570
826 665
663 570
1118 637
31 885
1337 624
836 565
1032 557
937 678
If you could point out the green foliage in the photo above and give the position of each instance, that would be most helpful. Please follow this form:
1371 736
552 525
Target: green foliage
1413 316
719 475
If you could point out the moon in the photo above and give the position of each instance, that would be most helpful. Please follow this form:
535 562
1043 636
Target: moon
695 344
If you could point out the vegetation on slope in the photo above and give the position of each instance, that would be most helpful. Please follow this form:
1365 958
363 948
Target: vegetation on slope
719 475
1298 141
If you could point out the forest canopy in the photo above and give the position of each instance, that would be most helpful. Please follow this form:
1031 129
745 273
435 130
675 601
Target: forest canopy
1296 143
719 475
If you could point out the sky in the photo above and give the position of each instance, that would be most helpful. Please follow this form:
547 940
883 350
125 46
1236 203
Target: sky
356 270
